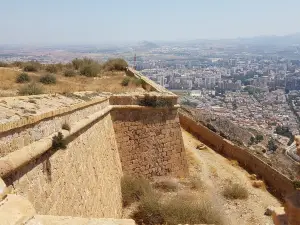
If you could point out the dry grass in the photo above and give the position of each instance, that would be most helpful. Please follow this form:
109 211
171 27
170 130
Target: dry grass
259 184
134 188
178 210
107 82
234 162
167 184
196 183
235 191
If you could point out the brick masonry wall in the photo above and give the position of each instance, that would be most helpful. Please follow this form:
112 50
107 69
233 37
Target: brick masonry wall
82 180
12 140
150 142
280 184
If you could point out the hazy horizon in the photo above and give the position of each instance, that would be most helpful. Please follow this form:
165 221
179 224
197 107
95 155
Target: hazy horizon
114 22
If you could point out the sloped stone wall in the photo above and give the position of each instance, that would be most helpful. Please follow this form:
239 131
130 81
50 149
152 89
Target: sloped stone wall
150 142
82 180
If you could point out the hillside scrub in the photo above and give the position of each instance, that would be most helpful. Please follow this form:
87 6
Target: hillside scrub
31 89
32 66
178 210
23 78
70 73
48 79
235 191
52 68
115 64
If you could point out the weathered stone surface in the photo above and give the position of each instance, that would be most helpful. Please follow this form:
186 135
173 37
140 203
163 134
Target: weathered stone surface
15 209
150 142
61 220
82 180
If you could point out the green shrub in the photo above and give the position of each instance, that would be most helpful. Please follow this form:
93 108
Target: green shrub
115 64
58 141
48 79
3 64
235 191
70 73
23 78
31 66
296 184
51 68
138 81
17 64
31 89
125 81
90 70
134 188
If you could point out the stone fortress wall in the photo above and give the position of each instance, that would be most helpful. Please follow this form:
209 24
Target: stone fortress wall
109 136
277 182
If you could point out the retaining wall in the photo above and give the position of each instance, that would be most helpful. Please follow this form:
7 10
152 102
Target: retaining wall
81 180
276 181
150 141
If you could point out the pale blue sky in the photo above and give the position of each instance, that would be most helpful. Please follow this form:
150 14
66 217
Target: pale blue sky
99 21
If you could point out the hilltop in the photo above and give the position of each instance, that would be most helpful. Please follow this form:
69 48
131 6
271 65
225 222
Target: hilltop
79 75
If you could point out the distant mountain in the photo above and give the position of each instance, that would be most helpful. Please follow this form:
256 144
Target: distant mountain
145 45
284 40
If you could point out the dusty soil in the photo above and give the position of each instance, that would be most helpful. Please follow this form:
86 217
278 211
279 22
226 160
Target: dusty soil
216 171
107 82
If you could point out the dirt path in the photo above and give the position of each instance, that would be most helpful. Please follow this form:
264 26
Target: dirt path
216 171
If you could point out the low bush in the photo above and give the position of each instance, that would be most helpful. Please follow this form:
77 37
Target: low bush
91 70
125 81
179 210
48 79
31 66
115 64
182 210
58 141
31 89
51 68
154 101
23 78
3 64
296 184
17 64
134 188
70 73
235 191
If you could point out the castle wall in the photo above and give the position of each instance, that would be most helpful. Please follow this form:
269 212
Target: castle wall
82 180
150 141
279 183
17 134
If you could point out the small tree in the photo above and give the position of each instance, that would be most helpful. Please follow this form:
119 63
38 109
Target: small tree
272 146
251 142
259 138
51 68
